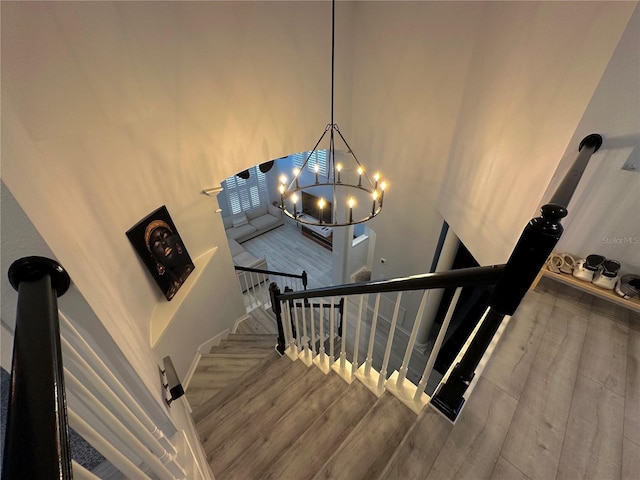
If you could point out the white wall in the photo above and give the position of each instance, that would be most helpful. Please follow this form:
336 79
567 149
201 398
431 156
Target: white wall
534 68
410 66
603 214
110 110
21 239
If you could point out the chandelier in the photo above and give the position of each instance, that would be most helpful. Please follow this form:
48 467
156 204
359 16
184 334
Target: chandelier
355 196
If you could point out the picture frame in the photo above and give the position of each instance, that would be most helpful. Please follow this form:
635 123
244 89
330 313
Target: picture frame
158 243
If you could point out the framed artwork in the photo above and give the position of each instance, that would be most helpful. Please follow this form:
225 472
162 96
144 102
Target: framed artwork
157 241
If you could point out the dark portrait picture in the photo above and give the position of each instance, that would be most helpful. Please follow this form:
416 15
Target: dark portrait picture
158 243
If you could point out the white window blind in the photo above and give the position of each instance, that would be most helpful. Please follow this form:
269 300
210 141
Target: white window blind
246 194
319 157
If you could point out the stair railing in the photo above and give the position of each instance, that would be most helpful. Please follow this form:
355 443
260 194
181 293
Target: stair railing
46 398
254 284
511 281
355 295
37 437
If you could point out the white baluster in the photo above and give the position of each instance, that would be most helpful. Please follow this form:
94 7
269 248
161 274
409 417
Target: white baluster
436 348
78 392
297 336
343 342
343 367
387 352
372 336
354 363
292 351
322 361
332 319
118 407
87 352
402 374
307 357
81 473
313 328
367 375
108 451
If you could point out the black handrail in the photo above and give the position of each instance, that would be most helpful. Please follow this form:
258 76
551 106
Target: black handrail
463 277
536 243
454 278
302 276
37 439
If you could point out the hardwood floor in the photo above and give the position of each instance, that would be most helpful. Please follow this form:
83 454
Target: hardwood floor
559 398
287 250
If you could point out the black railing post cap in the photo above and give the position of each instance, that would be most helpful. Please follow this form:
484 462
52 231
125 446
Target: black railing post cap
553 212
593 140
34 268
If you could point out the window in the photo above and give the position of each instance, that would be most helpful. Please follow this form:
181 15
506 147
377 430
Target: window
318 157
246 194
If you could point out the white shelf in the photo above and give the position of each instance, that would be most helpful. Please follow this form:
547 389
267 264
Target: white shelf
165 311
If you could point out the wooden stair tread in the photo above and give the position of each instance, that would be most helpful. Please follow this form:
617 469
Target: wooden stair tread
237 428
274 440
243 382
380 431
244 392
314 447
416 453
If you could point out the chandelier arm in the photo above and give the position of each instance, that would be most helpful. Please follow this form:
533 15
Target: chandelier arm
307 160
354 156
341 224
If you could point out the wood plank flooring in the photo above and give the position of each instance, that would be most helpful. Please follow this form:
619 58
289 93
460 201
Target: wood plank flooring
559 398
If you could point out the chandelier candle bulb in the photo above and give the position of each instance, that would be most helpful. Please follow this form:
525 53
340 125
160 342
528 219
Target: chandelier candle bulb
296 173
351 204
321 206
324 159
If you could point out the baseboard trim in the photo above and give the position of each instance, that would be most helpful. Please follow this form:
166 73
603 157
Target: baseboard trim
237 323
204 348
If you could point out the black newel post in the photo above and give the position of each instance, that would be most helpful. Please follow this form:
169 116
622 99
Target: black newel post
36 442
533 248
274 291
536 243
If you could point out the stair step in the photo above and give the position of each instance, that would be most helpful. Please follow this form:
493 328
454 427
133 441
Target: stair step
249 338
242 383
368 448
249 343
257 383
416 453
219 370
313 448
259 321
274 440
236 428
